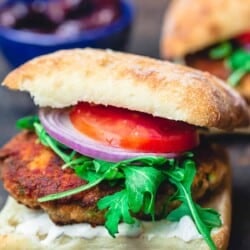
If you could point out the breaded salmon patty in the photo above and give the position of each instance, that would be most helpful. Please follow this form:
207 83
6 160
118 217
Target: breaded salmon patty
30 170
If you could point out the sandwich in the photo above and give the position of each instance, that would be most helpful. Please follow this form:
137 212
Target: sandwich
114 160
212 36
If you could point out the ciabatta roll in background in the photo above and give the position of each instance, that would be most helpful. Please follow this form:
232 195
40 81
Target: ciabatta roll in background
210 36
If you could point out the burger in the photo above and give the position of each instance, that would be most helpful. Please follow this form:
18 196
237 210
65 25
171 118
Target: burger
114 160
212 36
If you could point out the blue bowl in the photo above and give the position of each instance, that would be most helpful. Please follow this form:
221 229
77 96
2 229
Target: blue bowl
19 46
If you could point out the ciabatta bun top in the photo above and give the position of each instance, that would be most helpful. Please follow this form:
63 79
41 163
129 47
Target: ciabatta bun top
191 25
134 82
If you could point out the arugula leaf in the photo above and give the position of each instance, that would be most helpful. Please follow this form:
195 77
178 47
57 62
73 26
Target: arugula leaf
239 73
48 141
210 217
113 172
178 213
117 206
203 219
27 122
142 184
93 169
148 161
70 192
238 60
221 51
84 173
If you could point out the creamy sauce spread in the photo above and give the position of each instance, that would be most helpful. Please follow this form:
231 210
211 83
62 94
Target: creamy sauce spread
35 223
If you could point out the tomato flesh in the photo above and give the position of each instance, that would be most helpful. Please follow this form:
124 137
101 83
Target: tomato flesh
133 130
244 39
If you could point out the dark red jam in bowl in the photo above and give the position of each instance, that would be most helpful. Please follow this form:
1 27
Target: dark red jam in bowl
60 17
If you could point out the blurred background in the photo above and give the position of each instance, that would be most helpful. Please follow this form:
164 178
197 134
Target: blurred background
133 26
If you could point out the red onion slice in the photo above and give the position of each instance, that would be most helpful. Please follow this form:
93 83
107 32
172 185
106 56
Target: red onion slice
247 46
58 125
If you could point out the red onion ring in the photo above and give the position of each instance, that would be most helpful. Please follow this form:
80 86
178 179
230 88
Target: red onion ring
58 125
247 46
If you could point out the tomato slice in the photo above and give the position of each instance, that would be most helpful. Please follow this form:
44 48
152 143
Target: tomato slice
244 39
133 130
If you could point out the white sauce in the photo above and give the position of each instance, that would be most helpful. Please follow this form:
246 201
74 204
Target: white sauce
184 229
42 225
34 223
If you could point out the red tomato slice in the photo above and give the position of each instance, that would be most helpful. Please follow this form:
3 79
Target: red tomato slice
133 130
244 39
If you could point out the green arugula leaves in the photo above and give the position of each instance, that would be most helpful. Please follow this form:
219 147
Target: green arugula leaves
139 180
205 219
221 51
118 209
141 185
27 122
238 60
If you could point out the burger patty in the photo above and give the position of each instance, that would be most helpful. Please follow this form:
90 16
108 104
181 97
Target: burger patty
218 68
30 170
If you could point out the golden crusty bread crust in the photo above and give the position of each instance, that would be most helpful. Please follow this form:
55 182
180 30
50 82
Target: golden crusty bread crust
221 201
244 87
193 25
134 82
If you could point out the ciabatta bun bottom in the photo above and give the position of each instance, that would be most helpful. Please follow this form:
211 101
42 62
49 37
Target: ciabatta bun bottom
221 201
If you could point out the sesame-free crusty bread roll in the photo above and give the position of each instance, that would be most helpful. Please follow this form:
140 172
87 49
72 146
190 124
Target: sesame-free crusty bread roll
244 87
9 239
191 25
134 82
